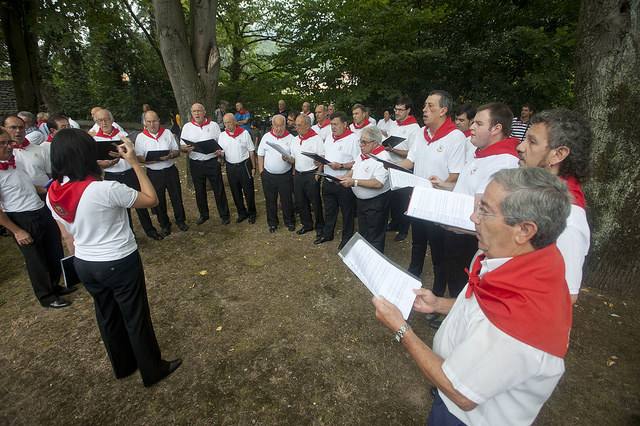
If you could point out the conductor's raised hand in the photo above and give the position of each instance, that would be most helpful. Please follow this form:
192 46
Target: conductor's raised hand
127 151
425 302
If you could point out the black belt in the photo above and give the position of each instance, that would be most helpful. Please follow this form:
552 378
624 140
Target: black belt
307 172
242 163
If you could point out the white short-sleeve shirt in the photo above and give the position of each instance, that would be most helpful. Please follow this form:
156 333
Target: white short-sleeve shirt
193 132
370 169
408 131
384 126
438 158
574 243
323 131
508 379
34 161
476 174
96 127
273 162
122 165
101 230
163 141
342 150
236 149
17 193
358 130
469 150
312 144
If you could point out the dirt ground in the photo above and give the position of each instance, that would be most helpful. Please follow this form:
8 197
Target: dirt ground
272 330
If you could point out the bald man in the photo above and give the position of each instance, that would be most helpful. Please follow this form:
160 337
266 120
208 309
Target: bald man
323 123
239 155
96 126
306 110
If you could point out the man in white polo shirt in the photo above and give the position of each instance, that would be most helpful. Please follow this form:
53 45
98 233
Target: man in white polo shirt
306 110
385 124
162 172
500 352
31 159
96 125
204 166
360 120
239 154
405 126
323 122
306 184
275 170
341 149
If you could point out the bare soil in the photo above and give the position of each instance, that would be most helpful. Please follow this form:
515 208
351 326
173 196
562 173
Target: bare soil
272 330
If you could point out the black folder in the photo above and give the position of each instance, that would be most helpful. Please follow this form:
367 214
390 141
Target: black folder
331 178
155 155
69 271
389 164
392 141
204 147
316 157
104 148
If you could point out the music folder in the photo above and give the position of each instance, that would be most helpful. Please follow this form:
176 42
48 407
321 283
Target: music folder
155 155
389 164
392 141
104 148
316 157
204 147
331 178
69 271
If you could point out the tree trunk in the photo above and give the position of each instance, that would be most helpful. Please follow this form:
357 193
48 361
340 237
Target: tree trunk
18 20
193 68
608 93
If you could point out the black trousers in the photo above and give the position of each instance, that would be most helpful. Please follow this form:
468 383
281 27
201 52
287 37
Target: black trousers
307 195
210 170
440 414
459 249
399 204
122 311
42 257
337 197
428 234
372 219
241 185
274 185
130 179
167 180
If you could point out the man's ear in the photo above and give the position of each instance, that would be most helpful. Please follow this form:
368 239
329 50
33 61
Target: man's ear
525 232
559 154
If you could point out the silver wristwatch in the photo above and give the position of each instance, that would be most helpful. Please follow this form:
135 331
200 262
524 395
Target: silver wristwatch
401 332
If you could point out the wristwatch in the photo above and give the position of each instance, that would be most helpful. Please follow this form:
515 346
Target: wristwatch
355 182
401 332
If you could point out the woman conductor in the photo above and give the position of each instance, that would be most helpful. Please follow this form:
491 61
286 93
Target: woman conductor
92 216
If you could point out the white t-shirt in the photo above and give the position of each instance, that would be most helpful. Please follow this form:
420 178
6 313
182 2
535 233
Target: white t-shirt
122 165
469 150
372 121
384 126
195 133
476 174
508 379
101 230
17 193
313 144
438 158
273 162
357 130
324 132
236 150
407 131
95 127
343 150
34 161
370 169
311 115
573 243
163 141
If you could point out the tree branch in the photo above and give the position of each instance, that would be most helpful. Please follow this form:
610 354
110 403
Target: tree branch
153 42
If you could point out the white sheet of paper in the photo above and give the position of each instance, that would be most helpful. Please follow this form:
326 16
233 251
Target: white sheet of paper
278 148
379 274
400 180
446 207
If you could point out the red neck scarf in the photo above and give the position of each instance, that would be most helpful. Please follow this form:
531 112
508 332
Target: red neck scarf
447 127
325 123
310 133
243 111
362 125
156 137
25 143
409 120
467 133
65 198
236 132
505 146
527 298
344 134
575 190
375 151
50 137
284 135
114 132
10 163
204 123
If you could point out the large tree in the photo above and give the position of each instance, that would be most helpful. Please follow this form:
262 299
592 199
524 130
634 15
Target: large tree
608 92
191 57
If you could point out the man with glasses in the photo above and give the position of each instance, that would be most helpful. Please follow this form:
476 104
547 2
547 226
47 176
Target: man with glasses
31 159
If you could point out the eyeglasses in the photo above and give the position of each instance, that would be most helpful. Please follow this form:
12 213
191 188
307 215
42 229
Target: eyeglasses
400 109
104 120
364 142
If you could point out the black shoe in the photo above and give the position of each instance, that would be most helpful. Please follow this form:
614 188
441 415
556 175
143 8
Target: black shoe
164 232
170 367
291 228
272 229
303 231
59 303
201 220
226 221
241 219
252 219
400 237
61 291
391 227
321 240
183 226
153 234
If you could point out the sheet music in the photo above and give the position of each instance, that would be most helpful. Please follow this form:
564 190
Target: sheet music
278 148
400 180
379 274
446 207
